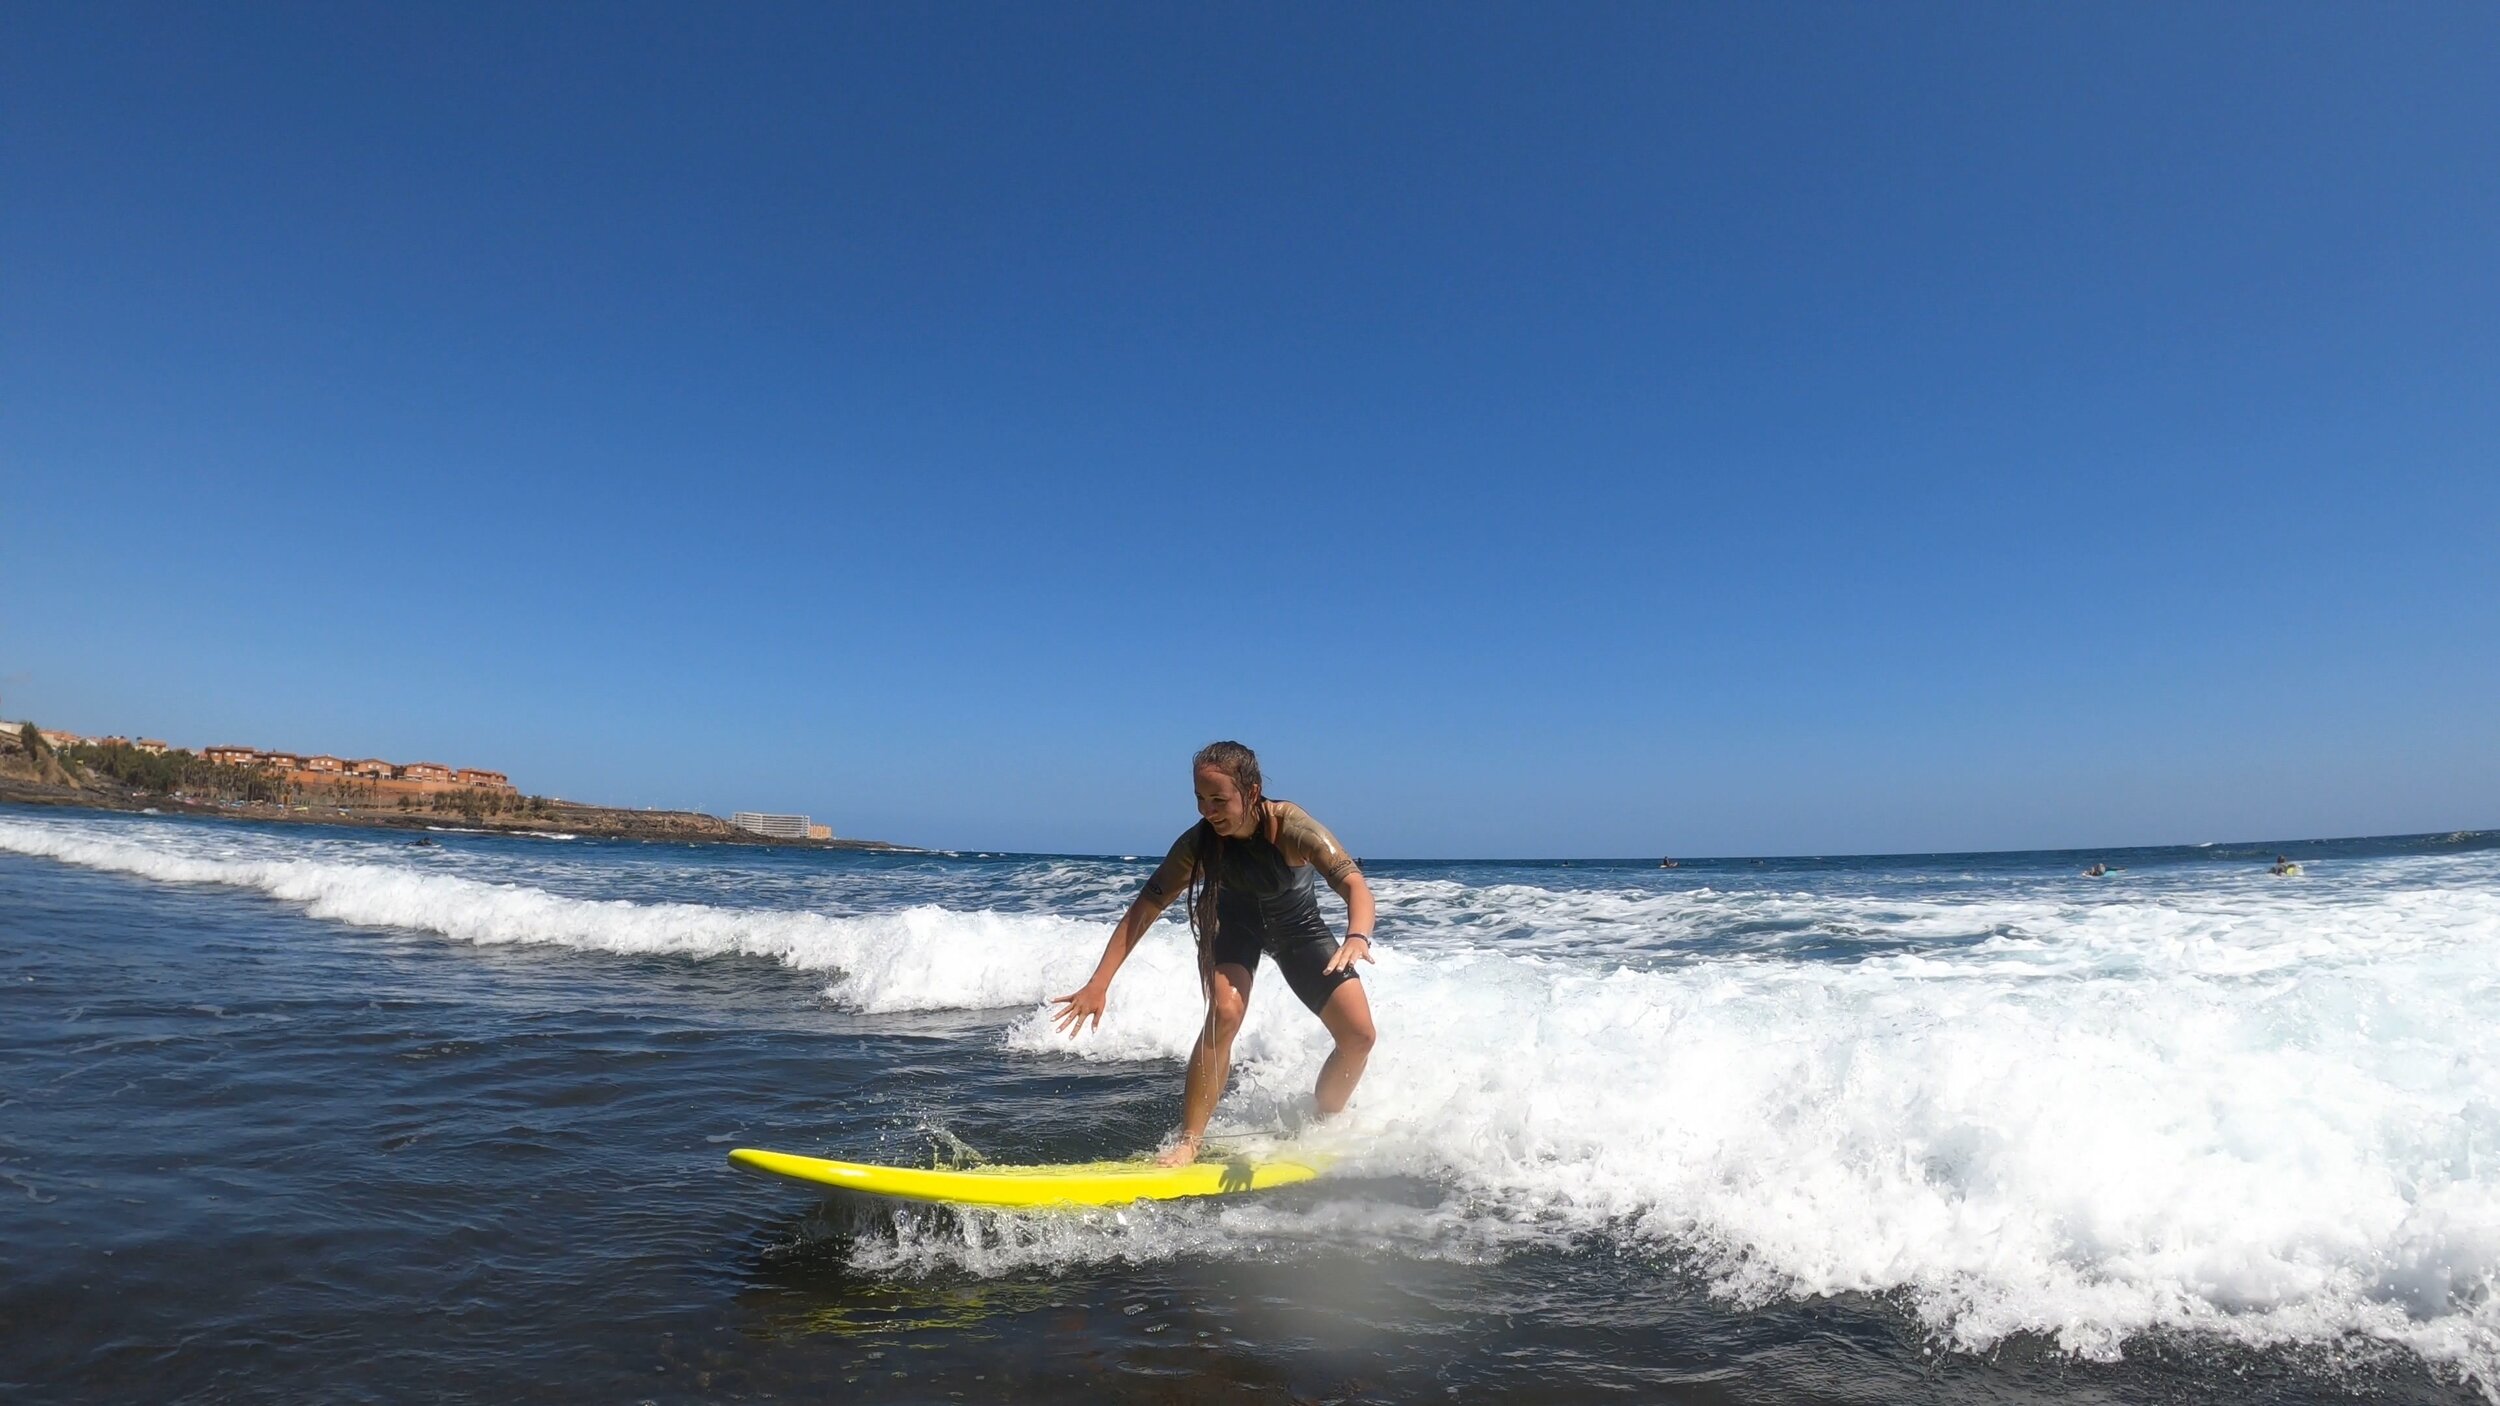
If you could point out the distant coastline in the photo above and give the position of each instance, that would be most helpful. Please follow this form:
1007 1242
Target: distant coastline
151 777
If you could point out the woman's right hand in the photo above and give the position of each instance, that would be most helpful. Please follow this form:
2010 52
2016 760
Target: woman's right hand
1078 1006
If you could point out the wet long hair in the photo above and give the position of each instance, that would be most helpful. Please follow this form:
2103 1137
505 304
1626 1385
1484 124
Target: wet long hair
1242 765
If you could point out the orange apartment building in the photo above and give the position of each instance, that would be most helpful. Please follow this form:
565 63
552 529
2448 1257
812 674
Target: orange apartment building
415 778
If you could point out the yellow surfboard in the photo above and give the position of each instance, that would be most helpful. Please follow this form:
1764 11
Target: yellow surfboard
1071 1184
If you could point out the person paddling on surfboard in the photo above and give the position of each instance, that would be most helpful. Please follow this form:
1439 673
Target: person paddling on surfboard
1246 867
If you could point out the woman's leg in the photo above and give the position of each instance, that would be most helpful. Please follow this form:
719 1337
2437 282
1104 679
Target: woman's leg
1348 1016
1211 1057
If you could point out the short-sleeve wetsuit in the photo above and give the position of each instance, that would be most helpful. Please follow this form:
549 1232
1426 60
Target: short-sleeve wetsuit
1261 895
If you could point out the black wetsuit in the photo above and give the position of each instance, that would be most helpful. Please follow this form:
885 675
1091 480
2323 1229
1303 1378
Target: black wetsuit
1263 900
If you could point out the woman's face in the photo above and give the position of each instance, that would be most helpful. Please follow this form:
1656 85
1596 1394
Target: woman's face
1232 811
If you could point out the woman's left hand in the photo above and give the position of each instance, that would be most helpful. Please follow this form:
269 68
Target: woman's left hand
1350 951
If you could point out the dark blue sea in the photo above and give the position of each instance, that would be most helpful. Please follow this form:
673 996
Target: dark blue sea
291 1113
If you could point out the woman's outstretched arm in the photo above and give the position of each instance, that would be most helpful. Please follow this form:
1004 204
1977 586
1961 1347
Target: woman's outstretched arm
1087 1001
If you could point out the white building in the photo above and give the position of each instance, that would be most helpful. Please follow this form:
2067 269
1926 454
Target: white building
780 827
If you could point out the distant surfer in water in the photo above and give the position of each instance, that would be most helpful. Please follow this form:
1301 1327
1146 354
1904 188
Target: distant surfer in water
1246 868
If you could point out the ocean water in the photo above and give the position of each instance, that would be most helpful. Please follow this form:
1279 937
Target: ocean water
294 1113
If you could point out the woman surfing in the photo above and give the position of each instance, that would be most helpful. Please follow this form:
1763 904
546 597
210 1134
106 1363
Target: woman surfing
1247 868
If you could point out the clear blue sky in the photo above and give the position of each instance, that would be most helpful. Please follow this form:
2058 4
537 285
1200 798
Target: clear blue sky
1598 430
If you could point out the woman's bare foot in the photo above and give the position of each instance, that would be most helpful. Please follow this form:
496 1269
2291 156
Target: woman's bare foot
1179 1154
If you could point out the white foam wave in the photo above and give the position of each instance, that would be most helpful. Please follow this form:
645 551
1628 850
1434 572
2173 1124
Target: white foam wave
916 958
2265 1115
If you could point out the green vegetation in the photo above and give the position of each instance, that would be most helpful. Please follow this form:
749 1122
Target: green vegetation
36 756
177 772
476 805
45 760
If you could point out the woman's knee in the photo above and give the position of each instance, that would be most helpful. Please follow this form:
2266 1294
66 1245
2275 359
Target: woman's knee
1224 1016
1227 1003
1354 1031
